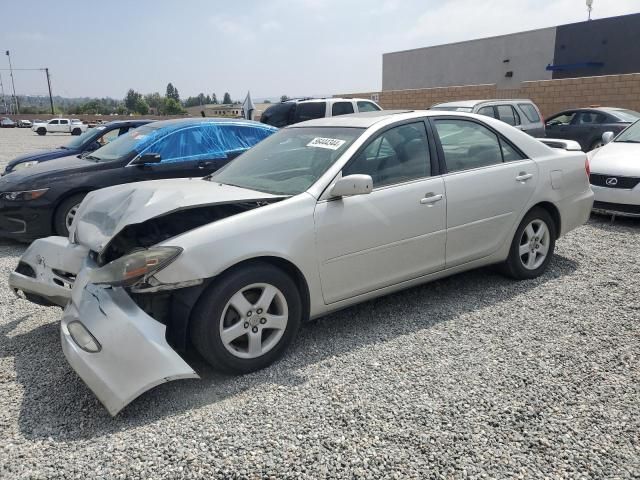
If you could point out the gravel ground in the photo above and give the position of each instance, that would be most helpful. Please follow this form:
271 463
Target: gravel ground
472 376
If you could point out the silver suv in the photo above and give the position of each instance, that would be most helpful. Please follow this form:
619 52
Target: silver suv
522 114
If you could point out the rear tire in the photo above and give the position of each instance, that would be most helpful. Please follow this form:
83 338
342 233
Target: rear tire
41 131
65 213
532 246
246 319
76 131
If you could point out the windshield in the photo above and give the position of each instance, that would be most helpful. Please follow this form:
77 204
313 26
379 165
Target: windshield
453 109
289 161
79 140
630 135
122 146
626 115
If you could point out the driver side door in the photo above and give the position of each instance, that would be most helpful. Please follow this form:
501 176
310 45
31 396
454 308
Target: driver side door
395 233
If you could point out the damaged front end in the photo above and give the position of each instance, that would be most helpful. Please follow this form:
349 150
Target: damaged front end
121 328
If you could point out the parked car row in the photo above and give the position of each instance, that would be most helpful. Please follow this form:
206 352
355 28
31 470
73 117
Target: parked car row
159 250
299 110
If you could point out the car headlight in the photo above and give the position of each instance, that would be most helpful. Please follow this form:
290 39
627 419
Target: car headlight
127 270
25 164
24 195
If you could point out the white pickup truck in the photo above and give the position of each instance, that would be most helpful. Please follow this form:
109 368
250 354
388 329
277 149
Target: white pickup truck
60 125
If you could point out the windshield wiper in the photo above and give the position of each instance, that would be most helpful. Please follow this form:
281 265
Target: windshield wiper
92 157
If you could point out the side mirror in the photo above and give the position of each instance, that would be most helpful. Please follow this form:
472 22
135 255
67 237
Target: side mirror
607 137
146 159
352 185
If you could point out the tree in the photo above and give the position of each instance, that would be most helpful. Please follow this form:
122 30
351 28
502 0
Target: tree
155 101
172 92
172 107
131 99
284 98
141 106
266 100
226 100
214 99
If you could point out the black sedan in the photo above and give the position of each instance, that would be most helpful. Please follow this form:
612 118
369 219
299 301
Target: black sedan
42 200
586 125
89 141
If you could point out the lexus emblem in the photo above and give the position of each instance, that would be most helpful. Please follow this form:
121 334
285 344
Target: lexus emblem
611 181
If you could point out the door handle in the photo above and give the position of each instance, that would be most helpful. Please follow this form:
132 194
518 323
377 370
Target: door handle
430 199
524 176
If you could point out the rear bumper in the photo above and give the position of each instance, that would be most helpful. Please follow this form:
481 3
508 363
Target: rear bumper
575 211
134 355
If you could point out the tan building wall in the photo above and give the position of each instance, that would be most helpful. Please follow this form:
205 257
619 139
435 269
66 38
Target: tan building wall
551 96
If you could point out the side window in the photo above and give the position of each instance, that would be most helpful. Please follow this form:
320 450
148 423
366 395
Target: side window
562 119
507 114
510 154
54 122
530 112
310 110
341 108
64 122
108 137
467 145
367 107
589 118
181 146
487 112
396 155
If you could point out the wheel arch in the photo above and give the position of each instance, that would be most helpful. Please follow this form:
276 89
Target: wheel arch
553 211
62 198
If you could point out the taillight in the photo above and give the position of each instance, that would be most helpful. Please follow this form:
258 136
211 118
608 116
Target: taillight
586 167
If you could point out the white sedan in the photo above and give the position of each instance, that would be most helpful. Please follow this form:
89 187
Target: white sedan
321 215
615 173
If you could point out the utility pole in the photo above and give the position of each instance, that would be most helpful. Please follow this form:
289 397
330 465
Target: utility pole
589 7
46 71
13 85
4 99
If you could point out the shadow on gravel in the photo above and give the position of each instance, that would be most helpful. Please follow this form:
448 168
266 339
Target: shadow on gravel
57 405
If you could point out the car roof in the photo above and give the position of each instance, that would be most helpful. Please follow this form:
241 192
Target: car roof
473 103
178 122
361 120
117 123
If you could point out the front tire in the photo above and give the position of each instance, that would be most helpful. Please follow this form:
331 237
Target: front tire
246 319
532 246
76 131
41 131
65 213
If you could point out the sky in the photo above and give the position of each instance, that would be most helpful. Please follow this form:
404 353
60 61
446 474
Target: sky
270 47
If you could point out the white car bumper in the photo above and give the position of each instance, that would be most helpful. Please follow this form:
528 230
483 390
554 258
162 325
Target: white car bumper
132 356
618 201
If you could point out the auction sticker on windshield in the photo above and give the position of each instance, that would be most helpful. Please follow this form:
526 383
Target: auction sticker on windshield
330 143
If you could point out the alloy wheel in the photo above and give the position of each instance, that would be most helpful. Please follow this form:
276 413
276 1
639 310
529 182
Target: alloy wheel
71 214
254 320
534 244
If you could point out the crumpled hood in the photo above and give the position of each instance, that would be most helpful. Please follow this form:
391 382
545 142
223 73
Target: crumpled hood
106 212
616 158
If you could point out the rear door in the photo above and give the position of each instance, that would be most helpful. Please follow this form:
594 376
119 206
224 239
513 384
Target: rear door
559 126
341 108
587 126
395 233
63 126
488 184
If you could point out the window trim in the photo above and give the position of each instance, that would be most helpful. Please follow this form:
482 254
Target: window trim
516 115
501 138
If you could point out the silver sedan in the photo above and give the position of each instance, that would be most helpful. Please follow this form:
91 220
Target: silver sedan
321 215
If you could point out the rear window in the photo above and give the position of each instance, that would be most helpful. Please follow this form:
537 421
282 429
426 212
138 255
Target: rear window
367 107
278 115
309 111
626 115
530 112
